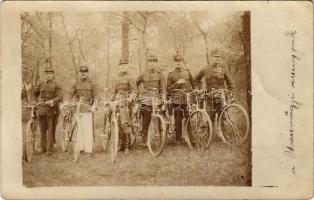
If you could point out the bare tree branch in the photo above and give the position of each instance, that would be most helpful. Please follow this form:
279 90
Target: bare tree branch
32 24
70 44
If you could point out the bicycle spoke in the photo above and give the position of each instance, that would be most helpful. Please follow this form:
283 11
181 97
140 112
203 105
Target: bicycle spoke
200 132
235 124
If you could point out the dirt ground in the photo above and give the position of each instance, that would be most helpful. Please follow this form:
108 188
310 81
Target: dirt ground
221 165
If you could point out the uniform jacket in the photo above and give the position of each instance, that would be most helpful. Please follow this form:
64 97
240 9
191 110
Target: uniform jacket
215 78
84 90
48 90
172 84
123 85
151 80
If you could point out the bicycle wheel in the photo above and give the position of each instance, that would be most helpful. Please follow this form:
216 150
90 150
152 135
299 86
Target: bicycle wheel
114 140
132 139
199 130
31 129
67 131
233 124
76 143
106 134
156 135
136 128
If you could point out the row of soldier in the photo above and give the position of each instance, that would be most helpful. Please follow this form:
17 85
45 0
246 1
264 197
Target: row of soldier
152 80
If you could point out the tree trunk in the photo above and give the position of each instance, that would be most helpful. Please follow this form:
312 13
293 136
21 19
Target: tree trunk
204 34
139 52
206 49
125 37
144 42
108 53
70 46
50 40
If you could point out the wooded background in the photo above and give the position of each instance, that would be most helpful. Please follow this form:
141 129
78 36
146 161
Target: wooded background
65 41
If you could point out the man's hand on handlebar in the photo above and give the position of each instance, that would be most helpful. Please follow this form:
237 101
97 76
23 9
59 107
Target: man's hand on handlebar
49 103
93 108
64 104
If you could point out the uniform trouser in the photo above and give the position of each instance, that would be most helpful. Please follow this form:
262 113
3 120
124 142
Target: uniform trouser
213 108
85 135
46 126
125 126
180 111
146 113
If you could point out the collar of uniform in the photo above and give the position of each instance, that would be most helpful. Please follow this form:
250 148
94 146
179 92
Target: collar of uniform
49 81
216 65
123 73
178 69
83 79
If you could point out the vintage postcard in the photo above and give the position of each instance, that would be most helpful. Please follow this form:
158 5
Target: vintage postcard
156 100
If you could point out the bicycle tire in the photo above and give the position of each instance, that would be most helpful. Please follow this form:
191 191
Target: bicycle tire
157 122
76 144
132 139
106 134
114 140
67 131
225 112
135 130
195 141
30 140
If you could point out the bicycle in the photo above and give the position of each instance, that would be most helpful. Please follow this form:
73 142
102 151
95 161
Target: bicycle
157 128
32 131
112 127
233 120
102 103
197 128
70 127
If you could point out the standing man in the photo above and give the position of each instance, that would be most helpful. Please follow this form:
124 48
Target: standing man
50 93
124 87
216 75
152 81
179 78
84 91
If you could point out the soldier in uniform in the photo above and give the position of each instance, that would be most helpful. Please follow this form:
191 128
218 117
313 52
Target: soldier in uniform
215 77
50 93
84 91
124 88
152 81
179 78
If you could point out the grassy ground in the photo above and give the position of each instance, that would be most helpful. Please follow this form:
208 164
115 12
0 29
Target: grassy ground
177 166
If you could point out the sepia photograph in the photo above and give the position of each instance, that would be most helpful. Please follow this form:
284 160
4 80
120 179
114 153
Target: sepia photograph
136 98
156 100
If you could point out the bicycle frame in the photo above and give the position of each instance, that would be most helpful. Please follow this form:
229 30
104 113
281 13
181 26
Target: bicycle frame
222 94
32 121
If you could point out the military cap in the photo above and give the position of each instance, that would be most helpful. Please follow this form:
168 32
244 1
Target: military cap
49 69
123 62
215 52
83 68
152 58
177 58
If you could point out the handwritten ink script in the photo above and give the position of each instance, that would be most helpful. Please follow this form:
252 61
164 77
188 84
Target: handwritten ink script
294 104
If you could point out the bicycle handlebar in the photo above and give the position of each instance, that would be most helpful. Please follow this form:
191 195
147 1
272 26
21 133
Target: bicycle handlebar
33 106
219 91
73 104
